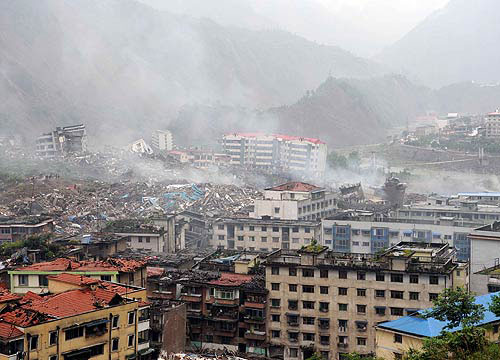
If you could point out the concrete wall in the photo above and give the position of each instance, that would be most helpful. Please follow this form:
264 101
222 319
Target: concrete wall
387 348
483 255
174 329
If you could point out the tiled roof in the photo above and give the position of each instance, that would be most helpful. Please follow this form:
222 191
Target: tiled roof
419 326
155 271
295 186
231 279
60 264
23 317
8 331
6 296
63 264
75 279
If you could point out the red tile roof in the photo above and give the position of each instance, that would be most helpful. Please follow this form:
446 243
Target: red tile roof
155 271
75 279
8 331
279 136
63 264
295 186
23 317
231 279
60 264
6 296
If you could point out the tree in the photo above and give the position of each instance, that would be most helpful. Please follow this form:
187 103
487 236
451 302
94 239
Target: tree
356 356
315 356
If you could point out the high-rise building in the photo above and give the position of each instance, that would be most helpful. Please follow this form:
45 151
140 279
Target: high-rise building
492 125
162 140
277 152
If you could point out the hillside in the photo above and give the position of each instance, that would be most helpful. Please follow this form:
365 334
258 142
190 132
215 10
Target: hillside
122 67
456 44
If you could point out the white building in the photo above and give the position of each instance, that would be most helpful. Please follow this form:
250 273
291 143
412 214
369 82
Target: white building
162 140
485 253
277 152
492 125
295 201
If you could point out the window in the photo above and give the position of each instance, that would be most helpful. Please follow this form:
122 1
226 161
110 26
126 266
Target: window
342 274
342 307
294 353
434 280
361 309
380 293
308 320
324 306
307 272
263 239
240 238
308 336
355 243
23 280
220 227
275 286
220 237
275 270
361 275
251 228
276 229
361 292
413 279
140 238
42 280
276 210
251 238
295 229
53 357
397 311
263 228
106 277
148 240
33 342
433 296
114 344
275 302
414 295
115 321
275 318
361 341
323 274
276 239
396 294
308 289
130 340
292 271
307 230
397 278
342 291
74 333
380 277
324 340
308 305
398 356
380 310
52 338
292 287
323 290
398 338
275 333
131 317
495 329
365 243
241 227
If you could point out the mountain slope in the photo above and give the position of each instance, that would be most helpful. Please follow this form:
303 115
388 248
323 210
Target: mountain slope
121 66
458 43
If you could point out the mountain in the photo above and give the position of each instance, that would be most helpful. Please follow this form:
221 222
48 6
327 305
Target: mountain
124 68
456 44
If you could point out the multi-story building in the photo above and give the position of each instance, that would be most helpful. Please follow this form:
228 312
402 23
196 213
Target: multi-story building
162 140
100 246
295 201
277 152
367 236
33 278
492 125
263 234
395 338
77 320
327 302
64 140
15 229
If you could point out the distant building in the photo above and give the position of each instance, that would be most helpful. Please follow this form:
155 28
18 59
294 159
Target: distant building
62 141
396 338
492 125
162 140
295 201
280 153
14 229
426 130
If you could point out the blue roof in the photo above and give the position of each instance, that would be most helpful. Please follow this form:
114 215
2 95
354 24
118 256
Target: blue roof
479 194
431 327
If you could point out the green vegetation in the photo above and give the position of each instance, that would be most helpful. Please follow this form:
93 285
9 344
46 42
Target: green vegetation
312 247
47 249
356 356
315 356
339 161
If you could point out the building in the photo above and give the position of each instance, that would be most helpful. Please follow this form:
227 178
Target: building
277 153
295 201
15 229
486 198
327 302
370 235
78 320
395 338
33 278
100 246
62 141
492 125
168 326
263 234
162 140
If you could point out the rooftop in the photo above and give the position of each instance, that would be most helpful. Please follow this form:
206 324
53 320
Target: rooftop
8 332
27 220
278 136
418 326
231 279
295 186
84 281
132 226
63 264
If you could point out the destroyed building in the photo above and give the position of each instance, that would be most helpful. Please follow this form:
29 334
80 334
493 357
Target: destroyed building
17 228
62 141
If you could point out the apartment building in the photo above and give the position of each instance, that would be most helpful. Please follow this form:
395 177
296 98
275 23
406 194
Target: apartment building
295 201
395 338
15 229
277 152
34 278
224 310
262 234
492 125
162 140
327 302
77 320
369 236
62 141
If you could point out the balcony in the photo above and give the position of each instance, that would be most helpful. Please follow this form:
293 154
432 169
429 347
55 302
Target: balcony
254 319
342 329
255 335
191 297
223 332
343 346
143 325
142 345
293 323
10 357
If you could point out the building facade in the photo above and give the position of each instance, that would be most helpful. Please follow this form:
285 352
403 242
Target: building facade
12 230
62 141
321 301
492 125
280 153
162 140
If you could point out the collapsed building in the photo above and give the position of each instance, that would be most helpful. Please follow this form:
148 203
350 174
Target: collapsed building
62 141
